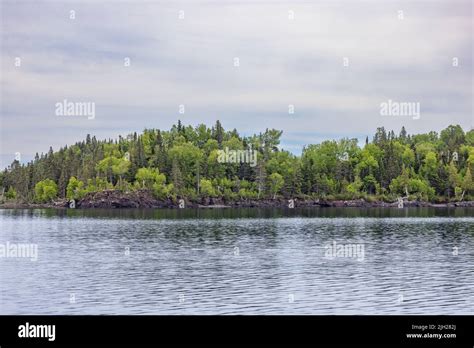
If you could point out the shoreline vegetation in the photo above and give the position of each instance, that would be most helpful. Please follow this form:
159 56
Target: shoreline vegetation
111 199
201 167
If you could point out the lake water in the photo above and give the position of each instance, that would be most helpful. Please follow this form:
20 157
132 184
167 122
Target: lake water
239 261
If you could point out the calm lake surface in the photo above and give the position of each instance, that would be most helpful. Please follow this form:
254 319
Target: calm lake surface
239 261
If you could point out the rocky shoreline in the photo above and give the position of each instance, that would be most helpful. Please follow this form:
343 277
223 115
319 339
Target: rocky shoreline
144 199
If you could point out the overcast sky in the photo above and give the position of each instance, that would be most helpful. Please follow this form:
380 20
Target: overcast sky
289 53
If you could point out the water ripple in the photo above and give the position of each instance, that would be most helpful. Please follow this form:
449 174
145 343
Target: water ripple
410 265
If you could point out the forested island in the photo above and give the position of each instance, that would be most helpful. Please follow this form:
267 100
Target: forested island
202 166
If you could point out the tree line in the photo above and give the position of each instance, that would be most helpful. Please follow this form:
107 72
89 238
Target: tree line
183 162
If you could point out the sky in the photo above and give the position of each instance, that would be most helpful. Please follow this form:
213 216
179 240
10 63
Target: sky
332 62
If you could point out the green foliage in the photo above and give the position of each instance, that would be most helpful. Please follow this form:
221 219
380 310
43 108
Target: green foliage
453 178
151 178
183 162
99 184
399 185
147 177
470 137
11 193
187 157
206 188
370 184
408 157
421 189
452 137
45 191
467 184
247 194
120 167
75 189
404 185
276 183
162 191
354 188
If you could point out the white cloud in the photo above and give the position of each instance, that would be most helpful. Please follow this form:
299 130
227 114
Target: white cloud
190 62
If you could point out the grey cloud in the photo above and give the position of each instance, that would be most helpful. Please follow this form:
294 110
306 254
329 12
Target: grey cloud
190 62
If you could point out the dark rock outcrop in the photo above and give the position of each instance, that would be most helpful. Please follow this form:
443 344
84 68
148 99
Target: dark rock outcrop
145 199
119 199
